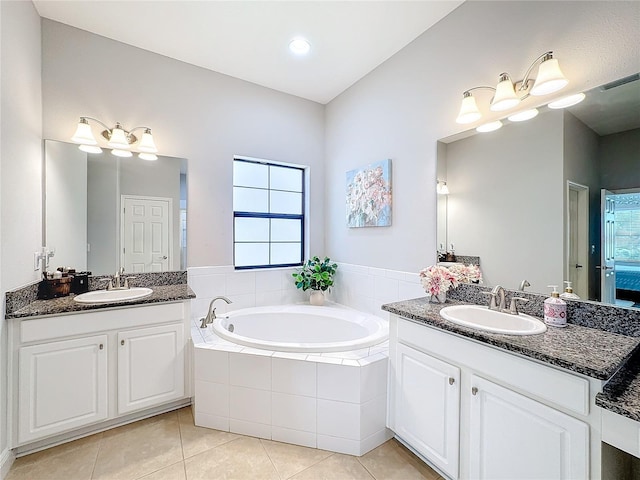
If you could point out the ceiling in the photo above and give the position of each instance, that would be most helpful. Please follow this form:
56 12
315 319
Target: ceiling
249 39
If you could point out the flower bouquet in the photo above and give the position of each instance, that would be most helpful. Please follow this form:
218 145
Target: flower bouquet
436 281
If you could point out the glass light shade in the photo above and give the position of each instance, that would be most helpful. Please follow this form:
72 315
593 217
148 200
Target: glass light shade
83 134
146 144
489 127
148 156
522 116
468 110
505 97
442 188
90 148
550 78
569 101
118 138
121 153
299 46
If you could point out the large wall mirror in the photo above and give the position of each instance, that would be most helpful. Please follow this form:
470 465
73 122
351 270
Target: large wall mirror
551 199
103 213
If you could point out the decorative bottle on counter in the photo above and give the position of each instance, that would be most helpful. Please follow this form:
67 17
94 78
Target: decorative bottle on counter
568 292
555 309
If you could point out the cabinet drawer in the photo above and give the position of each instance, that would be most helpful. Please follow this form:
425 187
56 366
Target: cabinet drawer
47 328
547 383
621 432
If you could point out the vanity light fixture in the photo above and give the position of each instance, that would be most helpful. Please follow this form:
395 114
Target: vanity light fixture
299 46
569 101
441 188
489 127
508 94
523 116
120 140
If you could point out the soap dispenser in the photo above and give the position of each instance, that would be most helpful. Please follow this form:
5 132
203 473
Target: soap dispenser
568 292
555 309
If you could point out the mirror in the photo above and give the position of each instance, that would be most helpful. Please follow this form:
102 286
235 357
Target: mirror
103 212
526 198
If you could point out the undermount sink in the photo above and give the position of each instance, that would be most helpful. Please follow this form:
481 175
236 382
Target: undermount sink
113 296
481 318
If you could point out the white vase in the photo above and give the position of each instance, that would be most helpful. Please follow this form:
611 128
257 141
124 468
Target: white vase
317 298
439 298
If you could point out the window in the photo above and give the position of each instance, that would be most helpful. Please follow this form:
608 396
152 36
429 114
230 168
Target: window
627 218
268 214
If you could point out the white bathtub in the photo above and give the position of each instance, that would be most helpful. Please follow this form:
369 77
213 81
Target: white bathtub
302 328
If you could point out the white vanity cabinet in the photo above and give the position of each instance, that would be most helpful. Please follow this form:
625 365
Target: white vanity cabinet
62 385
427 400
74 372
476 412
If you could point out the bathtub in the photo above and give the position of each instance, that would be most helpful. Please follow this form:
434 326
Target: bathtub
301 328
301 374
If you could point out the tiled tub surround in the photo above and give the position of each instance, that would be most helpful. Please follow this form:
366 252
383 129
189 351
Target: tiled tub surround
331 401
24 301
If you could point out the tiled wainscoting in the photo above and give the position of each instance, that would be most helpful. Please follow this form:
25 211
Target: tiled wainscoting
360 287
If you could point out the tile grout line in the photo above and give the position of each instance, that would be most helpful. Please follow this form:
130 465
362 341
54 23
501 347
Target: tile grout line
95 461
270 459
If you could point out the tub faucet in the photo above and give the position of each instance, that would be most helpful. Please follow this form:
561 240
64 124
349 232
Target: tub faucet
211 316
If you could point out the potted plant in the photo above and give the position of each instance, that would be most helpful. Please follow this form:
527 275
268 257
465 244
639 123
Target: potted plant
316 275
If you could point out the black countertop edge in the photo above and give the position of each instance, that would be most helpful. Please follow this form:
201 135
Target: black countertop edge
66 305
622 394
554 337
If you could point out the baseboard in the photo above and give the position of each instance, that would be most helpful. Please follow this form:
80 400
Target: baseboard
6 460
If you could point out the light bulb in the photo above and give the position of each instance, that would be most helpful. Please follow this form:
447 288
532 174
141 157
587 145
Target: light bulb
90 148
299 46
121 153
523 116
489 127
569 101
148 156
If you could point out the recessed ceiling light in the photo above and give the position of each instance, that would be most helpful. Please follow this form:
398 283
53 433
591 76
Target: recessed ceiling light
299 46
522 116
489 127
569 101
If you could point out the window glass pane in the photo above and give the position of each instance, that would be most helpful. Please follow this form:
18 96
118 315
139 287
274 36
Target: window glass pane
251 229
247 174
283 253
283 178
250 200
285 202
248 254
283 230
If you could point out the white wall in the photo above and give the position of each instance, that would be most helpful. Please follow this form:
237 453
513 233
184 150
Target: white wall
196 114
619 167
20 163
506 201
404 106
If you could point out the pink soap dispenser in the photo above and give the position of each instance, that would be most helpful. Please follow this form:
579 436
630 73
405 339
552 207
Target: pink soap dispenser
555 309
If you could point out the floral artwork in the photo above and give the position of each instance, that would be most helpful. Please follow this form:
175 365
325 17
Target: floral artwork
369 195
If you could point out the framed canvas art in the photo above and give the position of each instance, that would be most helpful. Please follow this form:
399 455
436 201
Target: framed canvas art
369 195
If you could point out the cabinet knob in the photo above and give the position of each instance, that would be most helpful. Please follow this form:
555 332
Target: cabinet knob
474 391
121 342
101 346
452 380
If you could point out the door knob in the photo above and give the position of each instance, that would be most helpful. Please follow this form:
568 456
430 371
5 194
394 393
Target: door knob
452 380
474 391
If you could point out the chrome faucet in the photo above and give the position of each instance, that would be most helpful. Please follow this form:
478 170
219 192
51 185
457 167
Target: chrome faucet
114 283
211 316
523 284
498 290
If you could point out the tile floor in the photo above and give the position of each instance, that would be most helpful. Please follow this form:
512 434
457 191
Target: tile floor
171 447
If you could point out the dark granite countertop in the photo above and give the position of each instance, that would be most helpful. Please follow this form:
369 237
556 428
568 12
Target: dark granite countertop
622 394
595 353
64 305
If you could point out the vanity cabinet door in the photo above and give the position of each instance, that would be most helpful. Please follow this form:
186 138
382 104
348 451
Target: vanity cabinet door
427 407
150 367
62 385
512 436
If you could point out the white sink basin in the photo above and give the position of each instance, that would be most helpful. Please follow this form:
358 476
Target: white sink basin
113 296
481 318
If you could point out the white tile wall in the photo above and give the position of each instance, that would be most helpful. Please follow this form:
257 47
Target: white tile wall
295 377
294 412
250 405
252 371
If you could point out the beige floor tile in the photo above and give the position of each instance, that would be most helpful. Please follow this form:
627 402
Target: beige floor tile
291 459
139 449
335 467
196 440
240 459
392 461
91 441
172 472
74 462
169 416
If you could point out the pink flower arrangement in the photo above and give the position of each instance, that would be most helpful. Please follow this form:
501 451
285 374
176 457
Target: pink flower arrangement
467 273
437 280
